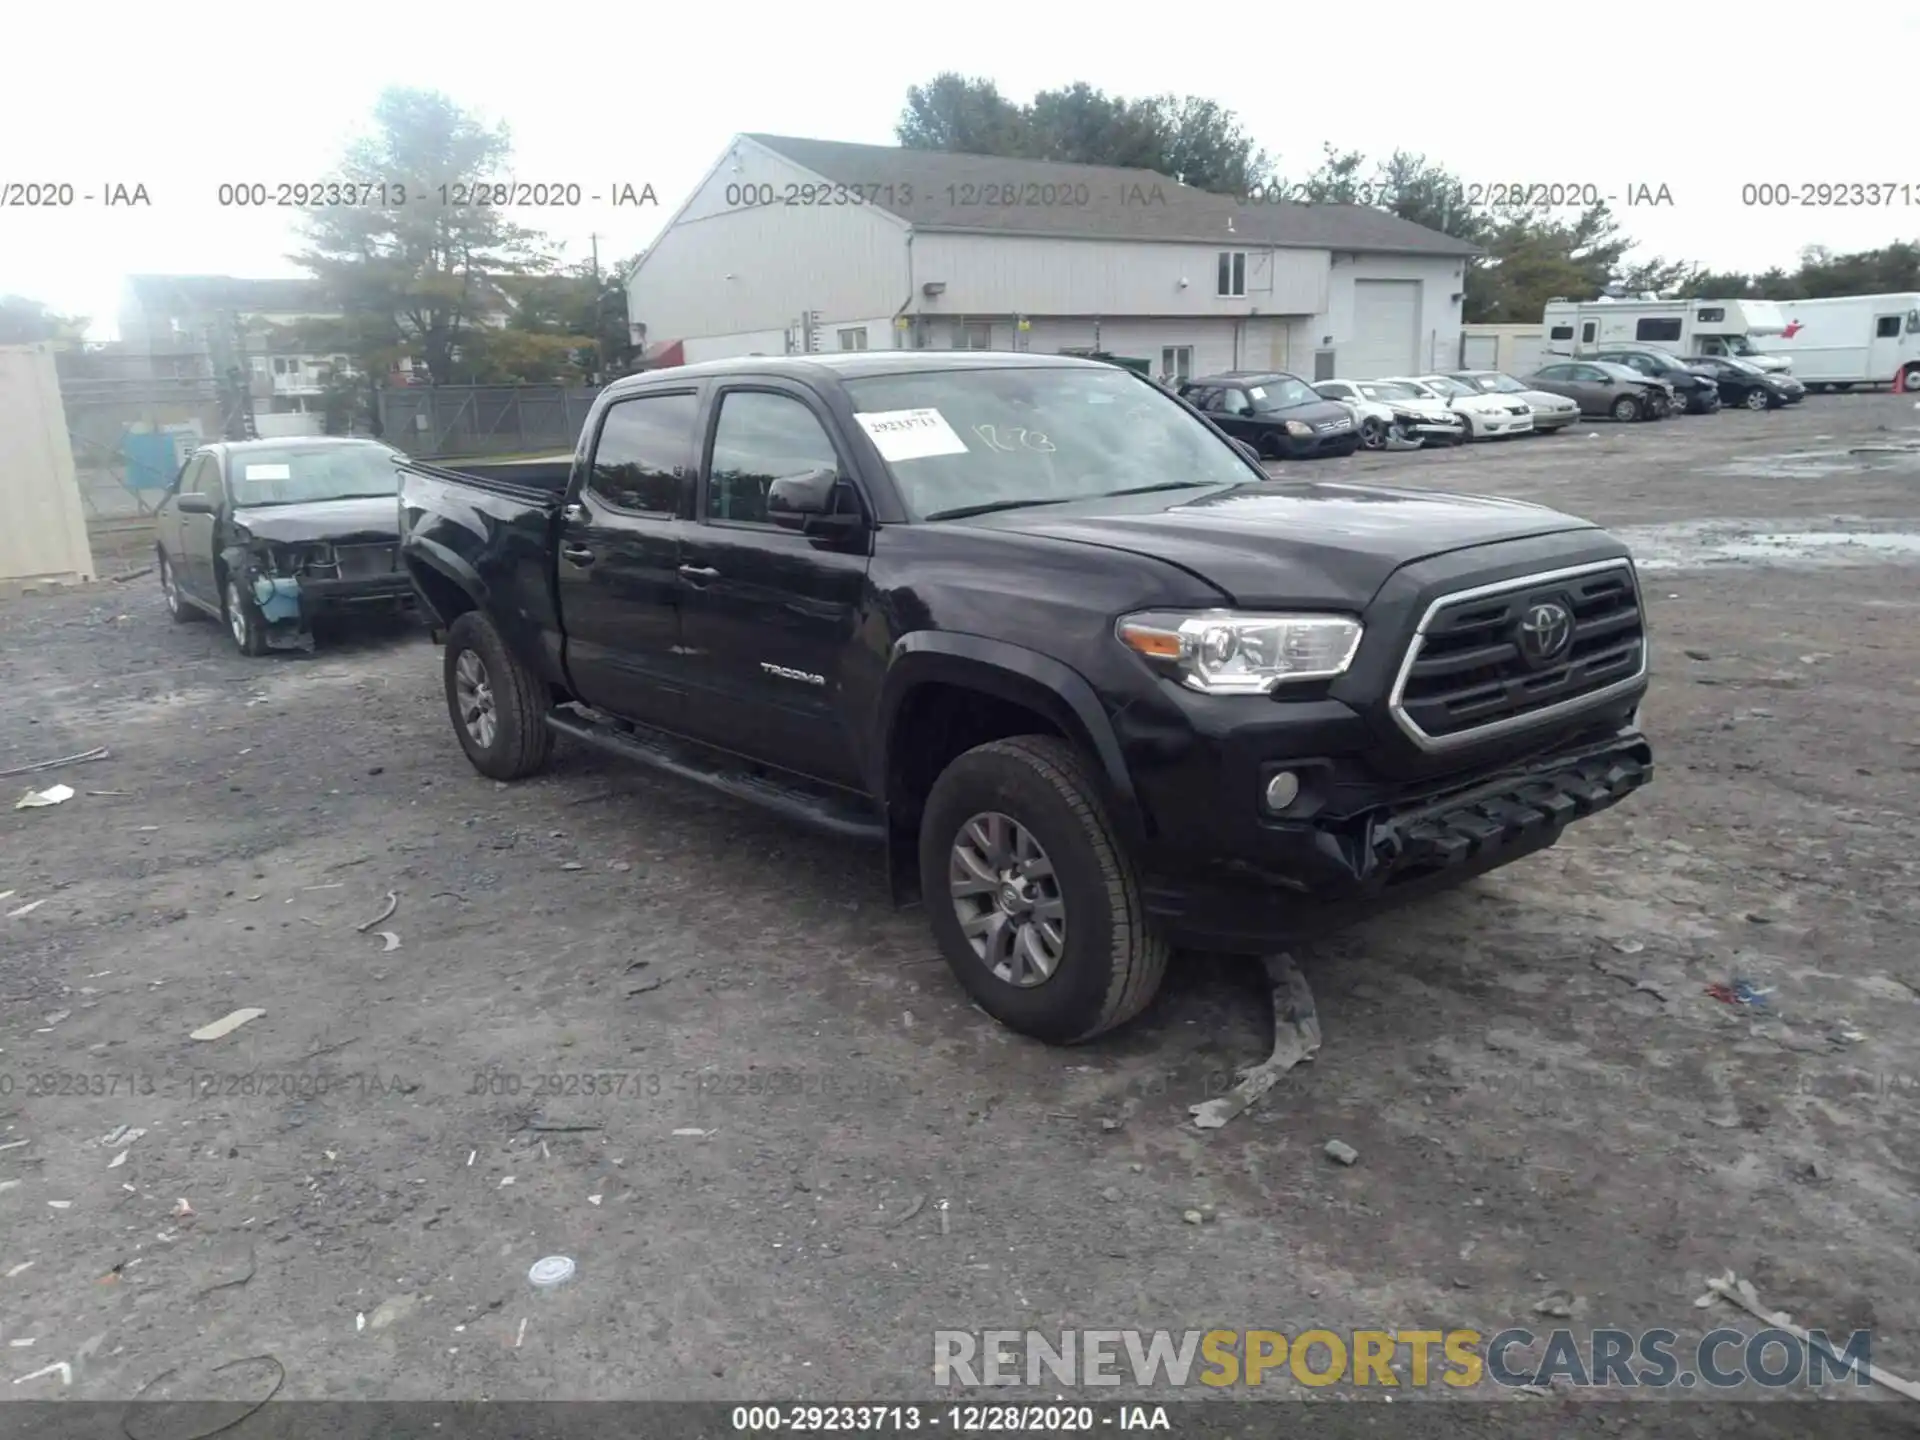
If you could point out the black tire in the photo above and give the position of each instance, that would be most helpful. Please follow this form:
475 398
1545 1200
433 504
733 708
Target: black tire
1910 379
1625 409
1757 399
1111 963
178 608
519 743
1272 447
244 624
1373 433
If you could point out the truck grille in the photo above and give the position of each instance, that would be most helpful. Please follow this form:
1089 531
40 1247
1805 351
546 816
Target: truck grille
1509 655
358 561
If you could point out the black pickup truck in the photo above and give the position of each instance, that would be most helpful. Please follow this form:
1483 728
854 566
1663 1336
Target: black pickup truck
1098 684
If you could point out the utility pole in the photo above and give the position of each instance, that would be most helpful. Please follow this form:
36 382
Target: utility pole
596 262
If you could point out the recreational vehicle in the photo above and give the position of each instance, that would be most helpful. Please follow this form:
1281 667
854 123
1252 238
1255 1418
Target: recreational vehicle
1851 339
1682 327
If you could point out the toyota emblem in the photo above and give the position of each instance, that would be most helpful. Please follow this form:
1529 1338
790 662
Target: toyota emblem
1545 632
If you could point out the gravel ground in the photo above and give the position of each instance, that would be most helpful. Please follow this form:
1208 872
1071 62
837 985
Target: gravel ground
816 1153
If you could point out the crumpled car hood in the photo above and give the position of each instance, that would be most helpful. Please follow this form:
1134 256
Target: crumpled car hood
371 518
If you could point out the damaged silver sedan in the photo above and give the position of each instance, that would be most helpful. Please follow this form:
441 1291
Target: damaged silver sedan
268 536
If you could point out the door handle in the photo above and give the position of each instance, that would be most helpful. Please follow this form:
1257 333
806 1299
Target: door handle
578 554
699 572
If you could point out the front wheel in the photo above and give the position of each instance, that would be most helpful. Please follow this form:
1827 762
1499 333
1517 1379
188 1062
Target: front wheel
249 631
1756 399
498 706
177 606
1272 447
1373 433
1033 901
1626 408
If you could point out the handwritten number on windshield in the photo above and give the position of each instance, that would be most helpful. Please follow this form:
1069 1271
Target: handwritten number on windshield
1021 439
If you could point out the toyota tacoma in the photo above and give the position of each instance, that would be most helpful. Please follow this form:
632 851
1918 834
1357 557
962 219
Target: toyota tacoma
1099 686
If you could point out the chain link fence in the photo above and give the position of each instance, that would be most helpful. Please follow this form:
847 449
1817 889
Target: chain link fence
476 420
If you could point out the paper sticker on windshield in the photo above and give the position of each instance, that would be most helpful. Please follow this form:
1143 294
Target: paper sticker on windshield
269 472
910 434
1259 392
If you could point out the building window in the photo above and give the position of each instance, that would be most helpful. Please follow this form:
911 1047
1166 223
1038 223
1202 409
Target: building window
1176 362
854 339
973 337
1654 329
1233 273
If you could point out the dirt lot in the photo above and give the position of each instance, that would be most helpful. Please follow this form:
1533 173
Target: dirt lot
1543 1095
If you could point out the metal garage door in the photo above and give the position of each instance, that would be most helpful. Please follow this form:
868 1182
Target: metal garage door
1386 330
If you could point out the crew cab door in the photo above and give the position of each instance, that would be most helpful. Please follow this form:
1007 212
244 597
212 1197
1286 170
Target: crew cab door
770 615
619 557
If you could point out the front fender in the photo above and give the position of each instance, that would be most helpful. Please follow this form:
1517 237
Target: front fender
1021 676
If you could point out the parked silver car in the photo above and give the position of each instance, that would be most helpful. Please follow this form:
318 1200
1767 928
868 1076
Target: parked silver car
1430 421
1551 412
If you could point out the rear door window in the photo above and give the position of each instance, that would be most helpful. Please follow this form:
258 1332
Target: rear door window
640 455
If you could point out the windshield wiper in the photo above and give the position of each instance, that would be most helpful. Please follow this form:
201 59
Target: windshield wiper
963 511
1168 485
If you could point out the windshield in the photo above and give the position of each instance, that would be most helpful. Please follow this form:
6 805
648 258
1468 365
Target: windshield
1499 384
1738 345
1280 392
1389 390
966 439
1448 387
297 476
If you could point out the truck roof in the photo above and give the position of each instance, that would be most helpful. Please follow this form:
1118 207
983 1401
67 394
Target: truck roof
860 364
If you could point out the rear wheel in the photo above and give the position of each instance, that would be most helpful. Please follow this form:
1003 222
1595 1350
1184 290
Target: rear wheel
1626 408
1033 901
498 706
1910 378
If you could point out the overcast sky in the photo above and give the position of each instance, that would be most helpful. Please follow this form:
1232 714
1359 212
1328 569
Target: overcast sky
181 98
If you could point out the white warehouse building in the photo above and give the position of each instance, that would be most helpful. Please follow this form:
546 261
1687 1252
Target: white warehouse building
793 243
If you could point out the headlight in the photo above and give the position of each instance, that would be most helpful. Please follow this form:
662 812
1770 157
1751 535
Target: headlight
1220 652
1299 428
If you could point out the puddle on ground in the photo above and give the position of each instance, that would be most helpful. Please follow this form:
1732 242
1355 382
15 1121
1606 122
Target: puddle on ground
1696 545
1894 452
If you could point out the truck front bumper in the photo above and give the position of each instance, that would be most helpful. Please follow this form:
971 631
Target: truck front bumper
1304 877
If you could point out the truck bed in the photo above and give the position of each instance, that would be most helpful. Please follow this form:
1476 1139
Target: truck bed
484 534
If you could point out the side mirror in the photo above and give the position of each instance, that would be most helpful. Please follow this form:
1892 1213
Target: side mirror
193 503
804 502
1247 450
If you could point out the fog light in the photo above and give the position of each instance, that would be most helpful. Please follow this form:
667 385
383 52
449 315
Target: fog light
1282 790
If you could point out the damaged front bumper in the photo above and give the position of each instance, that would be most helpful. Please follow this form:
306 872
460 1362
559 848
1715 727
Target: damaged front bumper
289 604
1313 875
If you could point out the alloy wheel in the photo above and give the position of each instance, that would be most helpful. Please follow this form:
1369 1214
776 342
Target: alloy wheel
473 689
1373 433
1756 399
1007 898
236 614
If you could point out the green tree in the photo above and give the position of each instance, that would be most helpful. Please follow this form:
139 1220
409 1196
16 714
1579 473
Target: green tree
1195 140
431 267
28 322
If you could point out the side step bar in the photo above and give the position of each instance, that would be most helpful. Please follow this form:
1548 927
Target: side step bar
818 809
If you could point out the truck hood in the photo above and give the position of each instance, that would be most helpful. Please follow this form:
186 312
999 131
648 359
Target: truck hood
372 517
1289 543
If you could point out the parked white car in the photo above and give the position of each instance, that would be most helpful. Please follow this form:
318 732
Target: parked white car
1427 420
1551 413
1486 416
